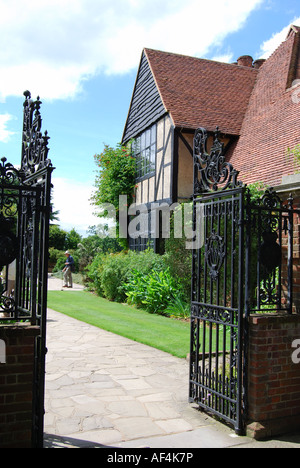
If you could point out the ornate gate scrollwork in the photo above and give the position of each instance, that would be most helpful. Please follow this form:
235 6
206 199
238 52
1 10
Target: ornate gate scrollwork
245 266
216 313
211 171
214 254
24 232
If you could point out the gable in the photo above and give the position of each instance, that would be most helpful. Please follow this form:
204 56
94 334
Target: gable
146 105
199 92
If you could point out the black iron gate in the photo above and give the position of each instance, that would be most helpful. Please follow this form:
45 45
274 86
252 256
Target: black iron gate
241 263
24 234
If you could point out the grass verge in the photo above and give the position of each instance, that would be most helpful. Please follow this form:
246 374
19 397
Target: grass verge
167 334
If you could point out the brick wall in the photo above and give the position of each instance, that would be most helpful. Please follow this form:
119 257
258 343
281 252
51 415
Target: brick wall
16 381
273 377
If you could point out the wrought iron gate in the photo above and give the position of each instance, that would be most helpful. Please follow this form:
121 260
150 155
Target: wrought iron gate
24 234
238 266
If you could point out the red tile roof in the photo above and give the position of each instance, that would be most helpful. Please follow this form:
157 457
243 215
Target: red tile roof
271 123
198 92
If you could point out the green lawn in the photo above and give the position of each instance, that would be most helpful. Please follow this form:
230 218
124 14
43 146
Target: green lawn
166 334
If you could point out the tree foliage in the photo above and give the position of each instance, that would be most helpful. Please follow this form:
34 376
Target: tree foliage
72 239
57 237
116 176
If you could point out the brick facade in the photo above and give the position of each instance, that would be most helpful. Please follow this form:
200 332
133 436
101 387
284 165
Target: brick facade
16 380
273 377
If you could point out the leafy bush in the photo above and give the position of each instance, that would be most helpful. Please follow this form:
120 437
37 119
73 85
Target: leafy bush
111 272
93 245
154 291
94 273
54 254
179 259
178 308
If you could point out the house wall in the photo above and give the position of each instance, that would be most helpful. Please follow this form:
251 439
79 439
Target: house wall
158 187
185 167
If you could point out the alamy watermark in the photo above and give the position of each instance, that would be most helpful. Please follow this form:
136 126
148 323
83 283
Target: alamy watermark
2 352
296 353
155 221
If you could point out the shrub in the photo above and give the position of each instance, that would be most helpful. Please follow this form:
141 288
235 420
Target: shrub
54 254
154 291
94 273
179 259
178 308
111 272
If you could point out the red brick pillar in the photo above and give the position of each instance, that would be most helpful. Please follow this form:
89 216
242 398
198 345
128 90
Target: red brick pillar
273 375
16 383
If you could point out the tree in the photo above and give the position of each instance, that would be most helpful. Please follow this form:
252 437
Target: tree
57 237
117 173
72 239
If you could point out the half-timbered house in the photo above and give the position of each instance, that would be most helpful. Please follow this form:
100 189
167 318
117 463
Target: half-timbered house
255 105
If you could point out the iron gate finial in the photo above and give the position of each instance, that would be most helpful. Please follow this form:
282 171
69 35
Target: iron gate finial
34 144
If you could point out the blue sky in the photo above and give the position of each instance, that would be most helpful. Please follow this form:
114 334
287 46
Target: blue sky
81 58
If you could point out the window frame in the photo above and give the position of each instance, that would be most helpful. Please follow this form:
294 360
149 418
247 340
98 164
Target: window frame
144 151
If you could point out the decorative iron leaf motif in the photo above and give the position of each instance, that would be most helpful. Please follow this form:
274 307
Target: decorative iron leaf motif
214 254
9 175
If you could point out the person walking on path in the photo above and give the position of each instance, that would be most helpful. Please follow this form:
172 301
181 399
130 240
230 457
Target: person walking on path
67 271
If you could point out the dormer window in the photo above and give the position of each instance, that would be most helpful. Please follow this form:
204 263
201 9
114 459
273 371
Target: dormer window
144 150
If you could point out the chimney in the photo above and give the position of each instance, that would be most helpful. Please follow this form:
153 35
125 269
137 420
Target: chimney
245 61
258 63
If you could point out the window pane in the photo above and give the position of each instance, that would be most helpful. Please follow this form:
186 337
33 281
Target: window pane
136 145
145 152
143 139
147 136
153 134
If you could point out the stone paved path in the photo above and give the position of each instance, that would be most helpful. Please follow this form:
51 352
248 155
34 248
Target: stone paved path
105 390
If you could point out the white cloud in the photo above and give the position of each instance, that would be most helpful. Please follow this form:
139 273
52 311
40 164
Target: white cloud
52 46
71 199
5 134
269 46
225 58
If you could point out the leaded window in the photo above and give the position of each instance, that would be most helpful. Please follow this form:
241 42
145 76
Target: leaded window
144 150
